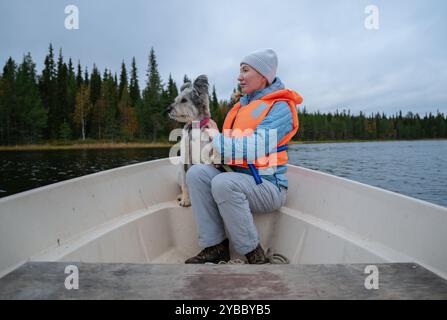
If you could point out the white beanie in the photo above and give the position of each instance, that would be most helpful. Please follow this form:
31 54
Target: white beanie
264 61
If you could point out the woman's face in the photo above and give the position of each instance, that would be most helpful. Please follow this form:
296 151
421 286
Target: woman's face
250 80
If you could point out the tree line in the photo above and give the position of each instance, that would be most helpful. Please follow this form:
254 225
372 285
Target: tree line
345 126
67 102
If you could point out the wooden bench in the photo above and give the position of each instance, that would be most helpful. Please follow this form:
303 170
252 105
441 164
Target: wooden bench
46 280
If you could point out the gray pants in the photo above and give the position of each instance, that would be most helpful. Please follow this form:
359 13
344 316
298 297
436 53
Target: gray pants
228 199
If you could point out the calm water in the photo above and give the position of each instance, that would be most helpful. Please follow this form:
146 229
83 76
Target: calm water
414 168
24 170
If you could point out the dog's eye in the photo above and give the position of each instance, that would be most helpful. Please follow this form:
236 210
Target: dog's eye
183 100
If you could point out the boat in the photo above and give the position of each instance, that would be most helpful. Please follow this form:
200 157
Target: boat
128 218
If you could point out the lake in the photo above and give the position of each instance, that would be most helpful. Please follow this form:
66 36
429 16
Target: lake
414 168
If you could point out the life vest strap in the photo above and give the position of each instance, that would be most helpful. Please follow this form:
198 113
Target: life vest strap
281 148
254 171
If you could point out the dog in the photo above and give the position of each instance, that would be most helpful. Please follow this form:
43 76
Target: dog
191 107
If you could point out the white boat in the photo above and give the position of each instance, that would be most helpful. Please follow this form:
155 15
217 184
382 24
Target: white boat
131 215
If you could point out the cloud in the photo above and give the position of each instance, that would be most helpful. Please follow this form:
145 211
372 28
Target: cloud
325 52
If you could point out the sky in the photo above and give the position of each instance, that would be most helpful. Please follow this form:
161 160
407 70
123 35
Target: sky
325 51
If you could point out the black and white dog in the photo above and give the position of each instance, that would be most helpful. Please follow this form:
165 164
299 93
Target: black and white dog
191 107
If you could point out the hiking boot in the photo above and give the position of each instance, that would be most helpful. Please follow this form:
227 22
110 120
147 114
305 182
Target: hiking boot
213 254
257 256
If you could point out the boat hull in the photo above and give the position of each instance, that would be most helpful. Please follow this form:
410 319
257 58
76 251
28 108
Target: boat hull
130 215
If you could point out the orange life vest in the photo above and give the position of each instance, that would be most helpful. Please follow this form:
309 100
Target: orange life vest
242 121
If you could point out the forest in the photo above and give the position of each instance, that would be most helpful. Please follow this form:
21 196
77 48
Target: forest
66 102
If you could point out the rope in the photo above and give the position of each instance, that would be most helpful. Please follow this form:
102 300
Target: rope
235 261
276 258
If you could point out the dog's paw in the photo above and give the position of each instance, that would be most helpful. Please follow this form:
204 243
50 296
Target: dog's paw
184 203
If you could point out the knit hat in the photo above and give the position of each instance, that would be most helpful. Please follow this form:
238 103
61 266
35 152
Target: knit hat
264 61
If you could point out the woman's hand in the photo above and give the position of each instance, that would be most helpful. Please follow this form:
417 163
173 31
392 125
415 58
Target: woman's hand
211 128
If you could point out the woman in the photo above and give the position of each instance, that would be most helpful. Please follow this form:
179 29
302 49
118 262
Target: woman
258 182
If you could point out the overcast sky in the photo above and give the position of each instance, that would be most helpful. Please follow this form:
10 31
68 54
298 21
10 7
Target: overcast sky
325 52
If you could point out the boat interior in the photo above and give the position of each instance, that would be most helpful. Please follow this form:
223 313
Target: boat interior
131 215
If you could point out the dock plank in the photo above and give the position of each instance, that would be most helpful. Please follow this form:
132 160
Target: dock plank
45 280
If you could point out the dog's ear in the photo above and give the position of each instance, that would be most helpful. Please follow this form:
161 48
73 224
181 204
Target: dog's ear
201 85
185 85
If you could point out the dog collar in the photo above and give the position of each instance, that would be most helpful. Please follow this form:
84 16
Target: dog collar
203 122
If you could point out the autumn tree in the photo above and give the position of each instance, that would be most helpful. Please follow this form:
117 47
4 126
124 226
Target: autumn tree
82 109
129 124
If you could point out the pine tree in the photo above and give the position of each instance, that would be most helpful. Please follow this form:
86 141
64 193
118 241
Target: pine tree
123 80
441 125
224 107
86 77
95 94
134 88
111 125
79 80
143 117
153 109
47 86
8 101
95 85
71 97
62 114
98 116
31 117
214 107
172 89
168 98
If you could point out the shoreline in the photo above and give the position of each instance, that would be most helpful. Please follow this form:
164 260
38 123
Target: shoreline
358 140
75 146
130 145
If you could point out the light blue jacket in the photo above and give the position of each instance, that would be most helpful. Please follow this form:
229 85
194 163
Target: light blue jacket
279 118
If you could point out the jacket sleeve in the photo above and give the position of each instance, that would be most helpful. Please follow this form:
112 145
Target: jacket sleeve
262 140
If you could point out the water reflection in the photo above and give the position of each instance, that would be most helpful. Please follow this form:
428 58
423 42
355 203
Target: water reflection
24 170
